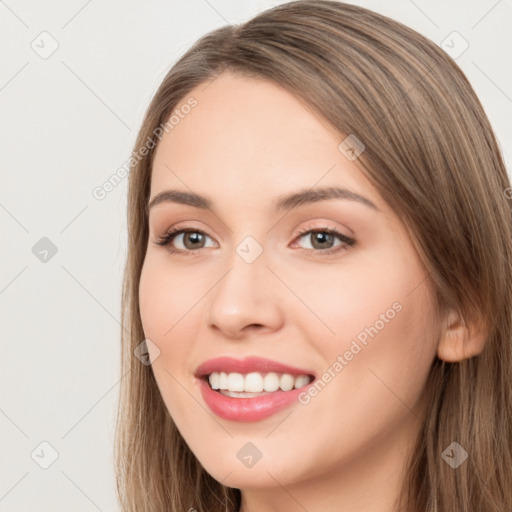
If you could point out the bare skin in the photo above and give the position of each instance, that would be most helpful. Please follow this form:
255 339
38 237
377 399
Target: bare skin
245 143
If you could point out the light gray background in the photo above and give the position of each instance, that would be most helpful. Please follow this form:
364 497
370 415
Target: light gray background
67 123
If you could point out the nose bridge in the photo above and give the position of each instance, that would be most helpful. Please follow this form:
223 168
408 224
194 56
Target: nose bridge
247 267
244 295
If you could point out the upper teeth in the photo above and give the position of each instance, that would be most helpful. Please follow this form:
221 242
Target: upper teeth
256 382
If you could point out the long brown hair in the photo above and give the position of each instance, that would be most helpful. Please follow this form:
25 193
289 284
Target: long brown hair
432 155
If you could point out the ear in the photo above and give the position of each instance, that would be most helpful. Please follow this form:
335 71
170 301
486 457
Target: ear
459 340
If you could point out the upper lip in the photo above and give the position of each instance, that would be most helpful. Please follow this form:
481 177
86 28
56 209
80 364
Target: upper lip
247 365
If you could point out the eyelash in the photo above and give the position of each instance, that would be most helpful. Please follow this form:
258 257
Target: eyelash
169 236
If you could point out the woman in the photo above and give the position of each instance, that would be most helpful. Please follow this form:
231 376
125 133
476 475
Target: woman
319 277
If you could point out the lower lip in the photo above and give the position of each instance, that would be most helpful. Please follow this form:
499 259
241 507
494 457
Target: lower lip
248 409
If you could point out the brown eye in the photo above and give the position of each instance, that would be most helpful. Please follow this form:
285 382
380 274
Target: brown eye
193 239
190 239
324 240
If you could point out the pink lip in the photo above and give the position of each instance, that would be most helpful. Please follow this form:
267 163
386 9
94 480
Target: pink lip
247 409
247 365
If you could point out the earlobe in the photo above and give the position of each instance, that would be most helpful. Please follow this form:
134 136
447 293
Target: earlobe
460 340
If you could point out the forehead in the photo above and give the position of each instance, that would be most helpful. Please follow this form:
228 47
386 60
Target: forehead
247 136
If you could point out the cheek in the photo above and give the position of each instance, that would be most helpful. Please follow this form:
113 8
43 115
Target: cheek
171 310
375 368
382 324
153 303
167 297
167 316
160 312
344 301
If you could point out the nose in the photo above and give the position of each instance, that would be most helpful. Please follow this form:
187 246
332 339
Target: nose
245 299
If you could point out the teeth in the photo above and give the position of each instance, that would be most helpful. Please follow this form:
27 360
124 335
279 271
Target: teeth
223 381
256 382
235 382
271 382
253 382
302 380
287 381
215 380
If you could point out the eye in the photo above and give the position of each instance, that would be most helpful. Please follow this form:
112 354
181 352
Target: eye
322 240
191 239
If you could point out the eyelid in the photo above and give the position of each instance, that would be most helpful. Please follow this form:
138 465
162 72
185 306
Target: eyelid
324 225
181 226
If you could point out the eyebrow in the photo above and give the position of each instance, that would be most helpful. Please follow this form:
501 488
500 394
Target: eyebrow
286 202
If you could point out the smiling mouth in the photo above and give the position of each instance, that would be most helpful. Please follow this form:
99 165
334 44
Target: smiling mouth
254 384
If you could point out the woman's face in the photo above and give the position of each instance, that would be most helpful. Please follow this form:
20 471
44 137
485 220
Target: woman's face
357 316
